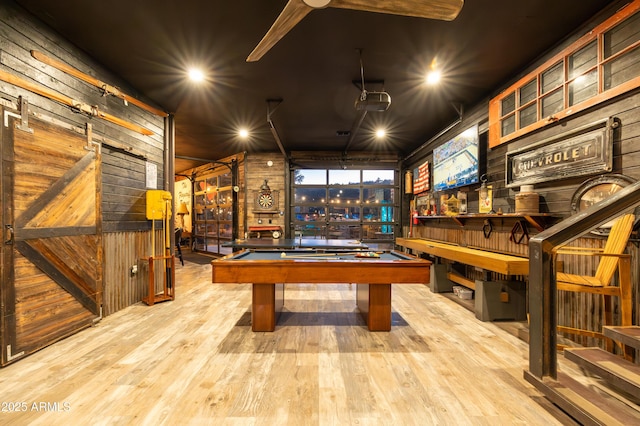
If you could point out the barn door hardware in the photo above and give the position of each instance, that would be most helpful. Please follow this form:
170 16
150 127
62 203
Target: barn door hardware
24 115
65 100
11 356
107 89
91 144
9 238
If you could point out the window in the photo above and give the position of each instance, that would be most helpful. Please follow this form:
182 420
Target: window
599 66
345 204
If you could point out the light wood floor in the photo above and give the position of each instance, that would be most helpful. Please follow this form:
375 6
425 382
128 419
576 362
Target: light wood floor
195 361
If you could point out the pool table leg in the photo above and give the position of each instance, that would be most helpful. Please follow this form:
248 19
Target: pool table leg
266 306
374 303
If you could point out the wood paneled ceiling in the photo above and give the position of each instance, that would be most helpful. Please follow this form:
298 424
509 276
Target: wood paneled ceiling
312 69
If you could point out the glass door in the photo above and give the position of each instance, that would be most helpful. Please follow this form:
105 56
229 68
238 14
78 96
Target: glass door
213 208
354 204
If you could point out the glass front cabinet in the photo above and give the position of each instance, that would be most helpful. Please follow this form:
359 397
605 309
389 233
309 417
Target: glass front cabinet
213 219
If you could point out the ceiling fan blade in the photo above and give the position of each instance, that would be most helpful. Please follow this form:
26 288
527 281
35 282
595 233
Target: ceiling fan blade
292 13
445 10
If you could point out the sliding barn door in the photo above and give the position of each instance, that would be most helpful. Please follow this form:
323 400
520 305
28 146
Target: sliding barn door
52 250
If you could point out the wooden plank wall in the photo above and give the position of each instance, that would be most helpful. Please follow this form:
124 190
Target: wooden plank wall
555 196
257 171
123 170
582 310
122 250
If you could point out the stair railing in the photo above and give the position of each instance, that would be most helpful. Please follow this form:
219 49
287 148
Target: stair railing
542 274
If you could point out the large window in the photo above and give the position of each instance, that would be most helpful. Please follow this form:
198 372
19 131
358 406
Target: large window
355 204
602 64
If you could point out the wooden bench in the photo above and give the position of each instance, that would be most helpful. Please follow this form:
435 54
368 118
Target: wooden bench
494 300
497 262
257 231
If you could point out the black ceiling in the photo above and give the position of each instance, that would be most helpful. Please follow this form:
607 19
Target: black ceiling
312 69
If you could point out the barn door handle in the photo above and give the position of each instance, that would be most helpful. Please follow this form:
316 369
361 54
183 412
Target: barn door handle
9 239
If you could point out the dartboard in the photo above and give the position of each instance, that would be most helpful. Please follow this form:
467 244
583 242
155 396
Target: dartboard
265 201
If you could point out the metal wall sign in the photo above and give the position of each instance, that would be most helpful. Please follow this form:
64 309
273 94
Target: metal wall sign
585 151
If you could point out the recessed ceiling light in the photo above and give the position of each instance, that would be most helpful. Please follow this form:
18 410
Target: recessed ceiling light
434 74
380 133
196 75
243 133
433 77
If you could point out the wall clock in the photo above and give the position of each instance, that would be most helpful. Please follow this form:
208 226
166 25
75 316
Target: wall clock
595 190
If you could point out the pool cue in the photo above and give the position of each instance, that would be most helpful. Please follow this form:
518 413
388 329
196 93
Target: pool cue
321 255
284 254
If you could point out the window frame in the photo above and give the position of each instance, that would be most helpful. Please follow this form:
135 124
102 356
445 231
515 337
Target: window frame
325 225
497 118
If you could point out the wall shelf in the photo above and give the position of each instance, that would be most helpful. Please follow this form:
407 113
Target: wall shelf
538 220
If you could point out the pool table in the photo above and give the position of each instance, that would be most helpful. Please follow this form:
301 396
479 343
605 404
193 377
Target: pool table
269 270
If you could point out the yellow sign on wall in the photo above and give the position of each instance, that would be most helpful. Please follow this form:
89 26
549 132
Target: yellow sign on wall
157 205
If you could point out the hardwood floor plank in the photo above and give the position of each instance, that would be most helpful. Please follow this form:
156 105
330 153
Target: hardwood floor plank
195 361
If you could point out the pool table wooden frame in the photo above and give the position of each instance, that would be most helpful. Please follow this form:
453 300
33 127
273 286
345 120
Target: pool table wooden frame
373 278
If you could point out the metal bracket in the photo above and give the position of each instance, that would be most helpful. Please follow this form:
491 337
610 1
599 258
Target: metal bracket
91 144
9 234
519 232
12 357
8 114
24 115
487 228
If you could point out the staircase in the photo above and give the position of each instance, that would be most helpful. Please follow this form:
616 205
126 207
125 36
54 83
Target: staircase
614 397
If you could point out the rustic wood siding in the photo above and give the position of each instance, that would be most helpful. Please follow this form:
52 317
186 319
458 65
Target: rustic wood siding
122 250
123 170
123 174
555 196
580 310
257 172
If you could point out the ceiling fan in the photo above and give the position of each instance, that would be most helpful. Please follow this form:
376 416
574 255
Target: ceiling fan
295 10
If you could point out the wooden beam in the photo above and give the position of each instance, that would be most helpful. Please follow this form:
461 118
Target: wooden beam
65 100
107 88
